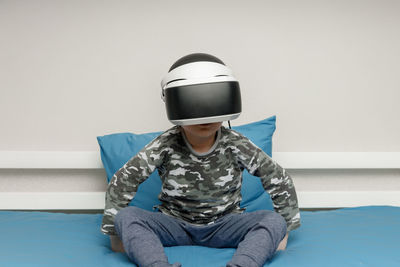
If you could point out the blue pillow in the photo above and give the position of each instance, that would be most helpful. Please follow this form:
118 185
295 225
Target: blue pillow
117 149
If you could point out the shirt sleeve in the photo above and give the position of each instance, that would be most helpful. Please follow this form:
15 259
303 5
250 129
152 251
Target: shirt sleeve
125 182
275 180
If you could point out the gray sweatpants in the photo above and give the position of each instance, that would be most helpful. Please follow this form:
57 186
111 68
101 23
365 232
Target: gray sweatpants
256 235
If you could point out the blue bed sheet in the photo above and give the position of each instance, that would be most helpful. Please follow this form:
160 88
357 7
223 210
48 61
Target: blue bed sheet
364 236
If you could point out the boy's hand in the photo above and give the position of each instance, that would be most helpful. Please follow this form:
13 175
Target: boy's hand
282 245
116 244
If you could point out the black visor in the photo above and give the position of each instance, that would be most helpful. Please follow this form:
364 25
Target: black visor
198 102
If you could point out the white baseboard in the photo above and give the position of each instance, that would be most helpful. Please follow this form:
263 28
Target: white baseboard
50 160
95 200
338 160
340 199
52 200
288 160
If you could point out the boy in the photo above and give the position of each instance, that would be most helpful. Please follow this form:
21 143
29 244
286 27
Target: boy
200 164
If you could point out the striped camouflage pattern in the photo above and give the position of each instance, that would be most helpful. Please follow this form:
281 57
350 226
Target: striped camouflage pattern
201 188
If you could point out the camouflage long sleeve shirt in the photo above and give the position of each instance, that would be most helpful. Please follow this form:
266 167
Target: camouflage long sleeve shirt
200 188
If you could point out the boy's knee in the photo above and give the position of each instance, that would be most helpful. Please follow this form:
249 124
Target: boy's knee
125 215
275 222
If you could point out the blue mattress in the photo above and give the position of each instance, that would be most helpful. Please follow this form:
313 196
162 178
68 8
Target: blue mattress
364 236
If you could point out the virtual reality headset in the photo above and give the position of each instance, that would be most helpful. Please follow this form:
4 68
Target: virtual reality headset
200 89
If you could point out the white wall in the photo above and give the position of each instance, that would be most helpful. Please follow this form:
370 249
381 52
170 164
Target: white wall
73 70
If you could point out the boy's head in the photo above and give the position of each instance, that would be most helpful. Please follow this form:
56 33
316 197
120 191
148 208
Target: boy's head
200 89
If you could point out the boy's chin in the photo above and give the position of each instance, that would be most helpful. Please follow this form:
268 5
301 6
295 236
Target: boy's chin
206 130
203 130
